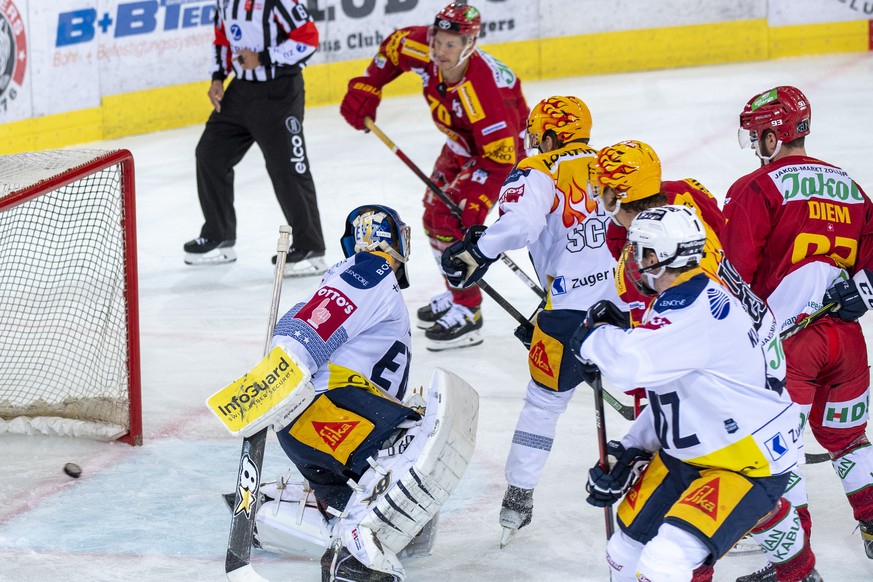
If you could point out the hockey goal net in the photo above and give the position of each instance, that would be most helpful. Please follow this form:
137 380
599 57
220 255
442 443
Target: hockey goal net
69 328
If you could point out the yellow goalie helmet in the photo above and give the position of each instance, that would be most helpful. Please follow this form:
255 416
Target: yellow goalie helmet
567 116
631 168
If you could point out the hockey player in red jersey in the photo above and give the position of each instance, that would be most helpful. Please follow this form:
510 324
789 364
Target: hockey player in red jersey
477 102
796 231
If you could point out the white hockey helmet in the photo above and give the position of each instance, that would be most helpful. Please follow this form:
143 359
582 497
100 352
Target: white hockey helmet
674 233
374 227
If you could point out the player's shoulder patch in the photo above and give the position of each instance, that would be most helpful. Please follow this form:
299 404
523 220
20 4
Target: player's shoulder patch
719 303
503 75
680 296
366 271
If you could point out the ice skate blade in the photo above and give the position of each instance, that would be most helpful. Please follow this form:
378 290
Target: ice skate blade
506 536
468 340
306 268
219 256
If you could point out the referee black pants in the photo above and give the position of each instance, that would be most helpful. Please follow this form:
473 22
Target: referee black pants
270 114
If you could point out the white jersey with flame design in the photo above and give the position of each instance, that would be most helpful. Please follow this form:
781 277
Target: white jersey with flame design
356 323
711 404
545 207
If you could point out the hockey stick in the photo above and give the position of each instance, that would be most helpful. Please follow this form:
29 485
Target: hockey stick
626 411
809 320
453 207
237 564
601 444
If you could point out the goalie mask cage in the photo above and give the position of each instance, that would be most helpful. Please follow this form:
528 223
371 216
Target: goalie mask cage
69 327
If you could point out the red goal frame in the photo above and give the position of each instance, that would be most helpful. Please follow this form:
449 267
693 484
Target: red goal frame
123 158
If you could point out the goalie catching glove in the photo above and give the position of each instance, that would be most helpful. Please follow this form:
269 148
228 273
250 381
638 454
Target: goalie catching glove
463 263
854 297
605 488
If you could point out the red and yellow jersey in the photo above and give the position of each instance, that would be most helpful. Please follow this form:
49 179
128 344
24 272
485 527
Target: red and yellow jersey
688 192
484 115
797 219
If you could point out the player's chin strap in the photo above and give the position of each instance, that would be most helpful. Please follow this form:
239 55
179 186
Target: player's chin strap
390 251
767 159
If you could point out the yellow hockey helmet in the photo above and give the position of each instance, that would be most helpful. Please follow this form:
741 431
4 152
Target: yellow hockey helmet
631 168
567 116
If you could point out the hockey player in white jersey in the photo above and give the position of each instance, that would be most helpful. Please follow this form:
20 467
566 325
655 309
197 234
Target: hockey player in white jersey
378 464
718 438
545 207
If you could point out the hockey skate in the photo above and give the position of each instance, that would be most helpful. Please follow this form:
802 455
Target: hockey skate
300 263
203 251
515 513
430 313
338 563
768 574
457 328
867 535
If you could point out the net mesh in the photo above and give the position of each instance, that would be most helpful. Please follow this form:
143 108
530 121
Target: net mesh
63 307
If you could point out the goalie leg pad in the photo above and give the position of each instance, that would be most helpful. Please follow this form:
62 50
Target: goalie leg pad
397 497
291 527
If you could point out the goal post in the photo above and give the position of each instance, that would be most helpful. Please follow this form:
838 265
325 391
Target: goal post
69 322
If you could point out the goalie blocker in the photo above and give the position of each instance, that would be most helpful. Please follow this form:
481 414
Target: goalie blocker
272 394
401 494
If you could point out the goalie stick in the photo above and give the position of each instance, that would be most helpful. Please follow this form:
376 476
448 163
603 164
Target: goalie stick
453 207
237 564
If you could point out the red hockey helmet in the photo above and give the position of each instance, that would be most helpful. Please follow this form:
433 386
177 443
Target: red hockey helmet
459 18
784 110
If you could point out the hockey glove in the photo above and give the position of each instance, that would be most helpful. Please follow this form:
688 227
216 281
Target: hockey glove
605 311
474 209
524 333
590 372
463 263
605 488
361 101
854 296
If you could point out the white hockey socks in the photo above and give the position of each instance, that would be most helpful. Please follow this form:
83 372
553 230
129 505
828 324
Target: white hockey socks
534 434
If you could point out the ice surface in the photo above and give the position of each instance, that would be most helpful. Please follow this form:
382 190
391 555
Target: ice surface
155 513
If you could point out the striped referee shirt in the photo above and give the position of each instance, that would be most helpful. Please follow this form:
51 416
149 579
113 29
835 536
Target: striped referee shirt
281 31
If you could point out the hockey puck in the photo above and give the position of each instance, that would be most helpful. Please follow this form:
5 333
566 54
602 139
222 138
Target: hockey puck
73 470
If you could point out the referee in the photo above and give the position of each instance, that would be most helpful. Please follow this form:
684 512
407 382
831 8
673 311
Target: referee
265 44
